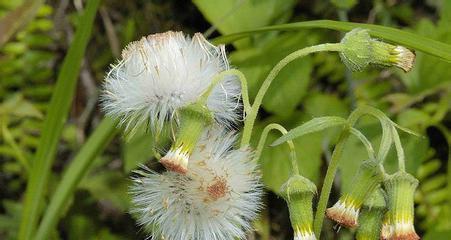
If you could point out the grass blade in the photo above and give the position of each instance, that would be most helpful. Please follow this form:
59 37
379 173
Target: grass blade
54 122
74 173
408 39
17 18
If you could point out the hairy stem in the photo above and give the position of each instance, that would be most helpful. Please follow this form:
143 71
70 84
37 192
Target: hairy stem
261 144
328 181
399 150
219 77
252 115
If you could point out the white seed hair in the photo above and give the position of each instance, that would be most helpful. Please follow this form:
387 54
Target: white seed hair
215 200
163 72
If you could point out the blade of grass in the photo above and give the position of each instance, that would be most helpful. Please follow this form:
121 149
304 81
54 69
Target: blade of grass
408 39
54 122
99 139
17 18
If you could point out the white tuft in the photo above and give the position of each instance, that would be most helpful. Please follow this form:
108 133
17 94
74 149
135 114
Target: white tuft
304 235
161 73
216 199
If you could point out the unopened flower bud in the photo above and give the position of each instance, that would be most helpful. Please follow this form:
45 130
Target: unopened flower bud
360 50
356 53
298 192
370 218
400 189
388 55
346 210
193 120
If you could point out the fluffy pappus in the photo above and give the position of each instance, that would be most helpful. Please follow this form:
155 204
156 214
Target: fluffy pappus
162 73
216 199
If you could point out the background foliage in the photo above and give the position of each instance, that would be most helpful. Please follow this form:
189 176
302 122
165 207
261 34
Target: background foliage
314 86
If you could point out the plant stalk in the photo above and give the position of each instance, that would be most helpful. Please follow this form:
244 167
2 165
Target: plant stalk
252 115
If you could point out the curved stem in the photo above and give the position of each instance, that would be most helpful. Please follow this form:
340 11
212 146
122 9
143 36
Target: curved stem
219 77
399 150
261 144
385 123
365 141
328 181
252 115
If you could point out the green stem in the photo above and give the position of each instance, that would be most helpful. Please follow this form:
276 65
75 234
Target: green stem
261 144
252 115
399 149
328 181
365 141
219 77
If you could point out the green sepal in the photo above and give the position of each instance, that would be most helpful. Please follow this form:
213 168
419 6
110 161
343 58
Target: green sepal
400 188
368 177
370 218
298 192
193 119
356 53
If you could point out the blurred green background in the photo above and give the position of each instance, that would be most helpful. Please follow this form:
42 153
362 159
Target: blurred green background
319 85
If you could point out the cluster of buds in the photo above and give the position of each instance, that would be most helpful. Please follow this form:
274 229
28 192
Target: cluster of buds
360 50
346 210
298 192
398 221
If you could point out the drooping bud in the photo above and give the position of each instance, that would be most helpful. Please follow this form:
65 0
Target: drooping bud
360 50
193 120
346 210
370 219
298 192
356 53
400 189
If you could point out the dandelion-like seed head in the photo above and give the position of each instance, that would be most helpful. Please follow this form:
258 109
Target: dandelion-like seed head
164 72
216 199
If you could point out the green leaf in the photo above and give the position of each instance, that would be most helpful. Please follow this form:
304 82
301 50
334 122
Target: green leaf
54 122
411 40
314 125
229 16
74 173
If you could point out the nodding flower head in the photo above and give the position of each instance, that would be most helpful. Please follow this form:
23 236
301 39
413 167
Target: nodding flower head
216 199
398 223
346 210
360 50
164 72
298 192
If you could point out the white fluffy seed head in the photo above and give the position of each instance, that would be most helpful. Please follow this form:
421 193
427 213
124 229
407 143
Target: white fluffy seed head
165 71
216 199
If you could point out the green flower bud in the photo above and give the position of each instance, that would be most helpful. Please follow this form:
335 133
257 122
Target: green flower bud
388 55
346 210
298 192
360 50
398 223
356 53
193 120
370 219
